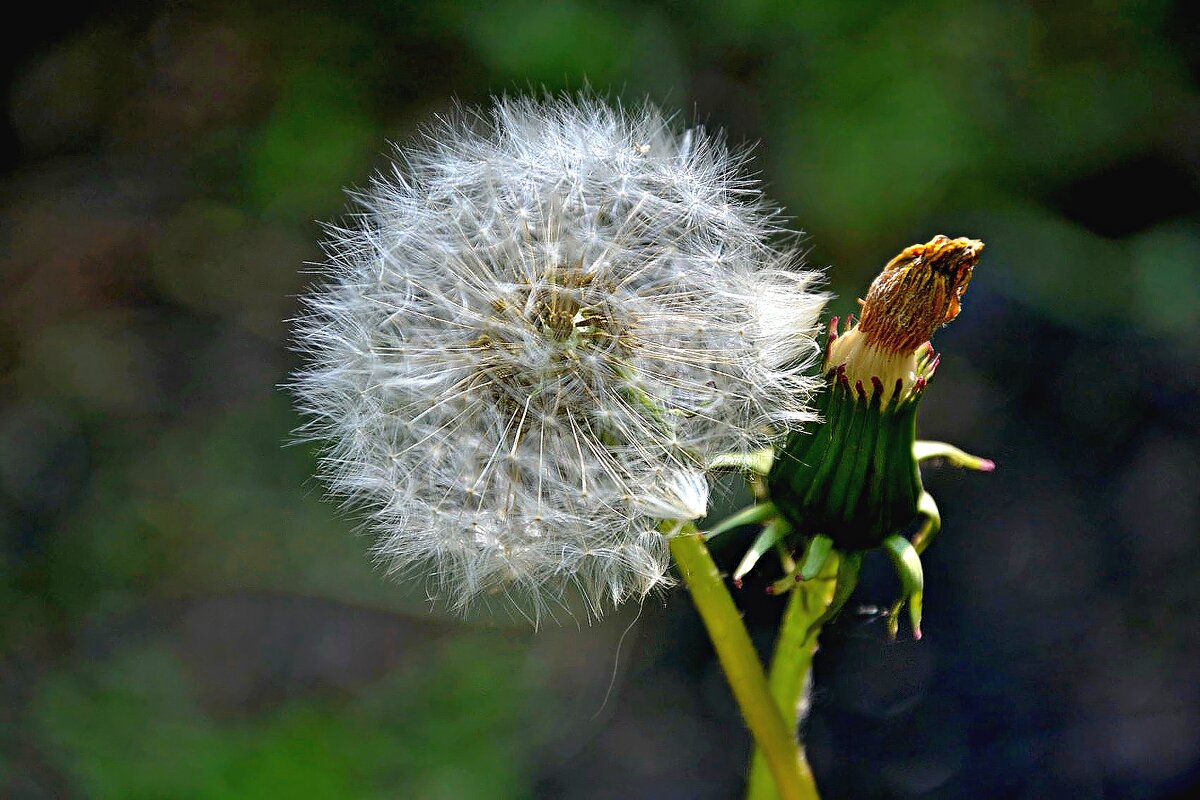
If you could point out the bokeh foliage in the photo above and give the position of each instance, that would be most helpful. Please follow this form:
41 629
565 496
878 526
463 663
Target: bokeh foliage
183 617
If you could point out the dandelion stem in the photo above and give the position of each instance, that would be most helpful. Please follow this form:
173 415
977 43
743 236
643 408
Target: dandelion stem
742 667
790 668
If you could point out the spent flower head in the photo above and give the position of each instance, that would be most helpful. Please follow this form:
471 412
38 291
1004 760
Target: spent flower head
535 333
918 292
853 483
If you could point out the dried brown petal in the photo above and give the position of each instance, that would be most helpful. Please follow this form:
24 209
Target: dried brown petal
918 292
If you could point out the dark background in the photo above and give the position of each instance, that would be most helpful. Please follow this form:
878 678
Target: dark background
182 617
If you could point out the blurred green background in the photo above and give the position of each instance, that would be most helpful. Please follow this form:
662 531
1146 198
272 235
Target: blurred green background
182 617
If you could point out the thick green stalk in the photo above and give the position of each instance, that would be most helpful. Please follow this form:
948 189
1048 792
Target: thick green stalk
742 667
790 668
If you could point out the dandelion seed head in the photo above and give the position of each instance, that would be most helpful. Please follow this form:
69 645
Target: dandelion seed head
536 329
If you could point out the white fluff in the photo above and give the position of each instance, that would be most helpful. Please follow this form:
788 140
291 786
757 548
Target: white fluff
538 329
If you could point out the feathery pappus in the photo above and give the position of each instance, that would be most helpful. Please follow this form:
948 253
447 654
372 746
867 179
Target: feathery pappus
532 337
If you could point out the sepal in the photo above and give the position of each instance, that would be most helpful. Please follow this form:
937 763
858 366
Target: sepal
907 563
750 515
771 535
757 462
925 450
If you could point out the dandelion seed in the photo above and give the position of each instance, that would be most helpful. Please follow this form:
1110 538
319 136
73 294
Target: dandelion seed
533 336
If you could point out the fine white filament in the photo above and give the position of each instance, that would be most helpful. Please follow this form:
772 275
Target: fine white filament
532 337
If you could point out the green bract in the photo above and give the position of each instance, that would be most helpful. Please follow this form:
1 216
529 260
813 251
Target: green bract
852 483
853 478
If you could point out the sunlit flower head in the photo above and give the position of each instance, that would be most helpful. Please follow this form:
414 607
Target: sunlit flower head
537 330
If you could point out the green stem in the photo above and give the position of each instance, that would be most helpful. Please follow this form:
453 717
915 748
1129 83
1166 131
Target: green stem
790 668
742 667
